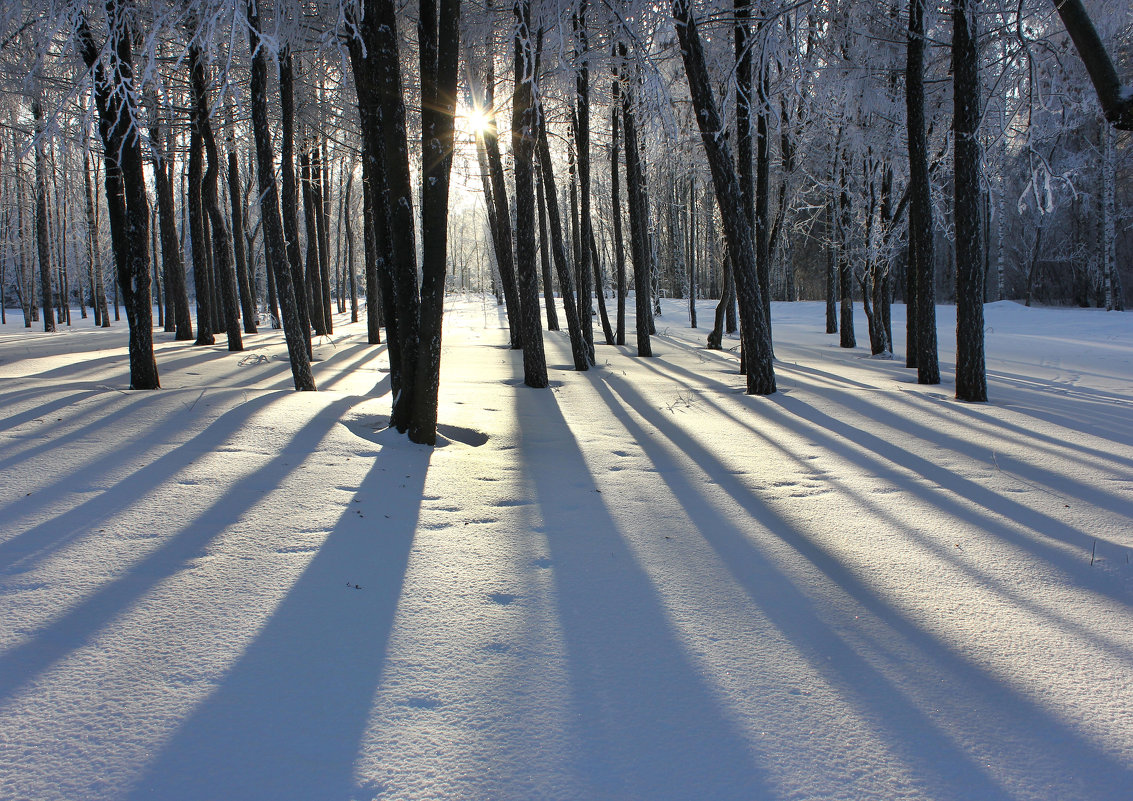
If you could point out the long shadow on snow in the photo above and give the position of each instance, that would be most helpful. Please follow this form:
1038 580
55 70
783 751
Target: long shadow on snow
924 725
22 551
940 438
648 725
38 411
884 457
288 717
895 522
78 625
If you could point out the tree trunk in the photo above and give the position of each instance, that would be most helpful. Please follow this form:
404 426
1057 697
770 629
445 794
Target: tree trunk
439 38
545 259
290 191
1114 294
582 152
41 233
616 212
558 249
600 295
522 147
312 276
755 336
921 229
638 216
294 330
505 260
971 379
845 266
198 240
125 185
221 248
244 280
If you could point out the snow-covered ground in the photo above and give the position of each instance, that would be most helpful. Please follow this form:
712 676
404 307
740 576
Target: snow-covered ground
642 584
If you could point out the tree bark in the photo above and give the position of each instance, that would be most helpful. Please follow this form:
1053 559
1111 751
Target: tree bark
439 38
1116 100
522 147
295 331
755 336
616 212
42 235
921 229
545 259
638 216
244 280
578 348
290 191
221 247
971 379
115 97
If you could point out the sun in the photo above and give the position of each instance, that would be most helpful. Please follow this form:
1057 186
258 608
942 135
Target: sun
477 120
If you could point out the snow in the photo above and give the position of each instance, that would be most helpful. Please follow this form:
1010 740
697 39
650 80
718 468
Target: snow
640 583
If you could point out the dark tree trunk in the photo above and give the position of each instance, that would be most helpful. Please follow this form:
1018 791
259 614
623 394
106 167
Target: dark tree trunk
920 205
599 293
399 208
243 275
971 379
198 239
177 294
319 199
725 304
1116 101
439 39
578 348
505 261
638 217
290 191
368 82
755 337
845 266
616 211
374 290
545 259
294 329
42 236
522 147
762 226
346 217
312 276
691 250
221 248
102 317
125 185
881 292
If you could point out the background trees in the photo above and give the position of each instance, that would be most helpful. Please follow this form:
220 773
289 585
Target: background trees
385 115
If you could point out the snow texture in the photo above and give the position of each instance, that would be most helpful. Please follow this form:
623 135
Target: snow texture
639 584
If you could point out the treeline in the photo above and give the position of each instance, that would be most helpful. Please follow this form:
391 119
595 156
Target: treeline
223 162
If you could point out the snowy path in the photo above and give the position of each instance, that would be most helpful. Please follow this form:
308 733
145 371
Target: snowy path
643 585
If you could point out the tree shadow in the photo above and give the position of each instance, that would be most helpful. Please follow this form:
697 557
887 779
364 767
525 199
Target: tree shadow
647 724
76 626
928 701
287 719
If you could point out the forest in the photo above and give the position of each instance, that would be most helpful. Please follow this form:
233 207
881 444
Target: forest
228 165
566 400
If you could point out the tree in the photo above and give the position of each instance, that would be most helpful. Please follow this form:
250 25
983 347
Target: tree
921 232
294 330
756 337
971 381
116 99
522 149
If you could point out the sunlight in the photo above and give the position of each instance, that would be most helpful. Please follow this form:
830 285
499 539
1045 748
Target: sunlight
477 120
